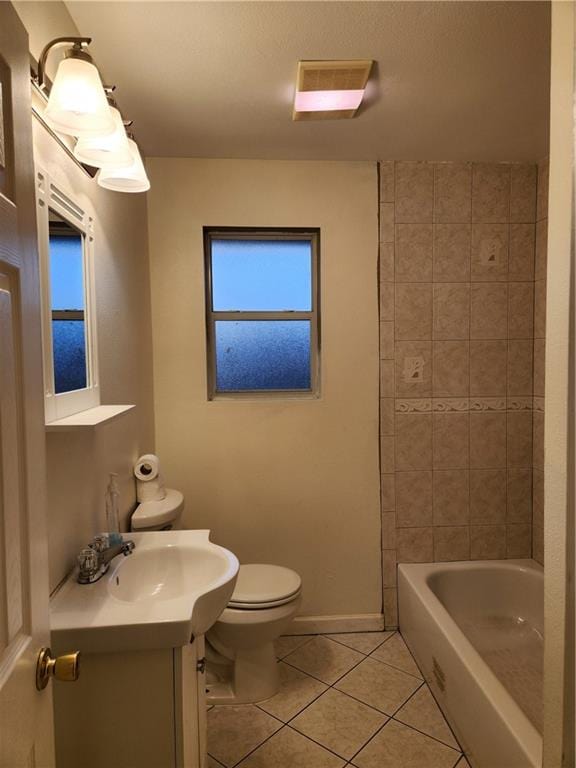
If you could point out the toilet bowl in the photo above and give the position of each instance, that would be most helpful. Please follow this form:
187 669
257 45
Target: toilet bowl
241 661
240 658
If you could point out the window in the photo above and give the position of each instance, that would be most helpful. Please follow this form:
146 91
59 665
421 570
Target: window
262 311
65 241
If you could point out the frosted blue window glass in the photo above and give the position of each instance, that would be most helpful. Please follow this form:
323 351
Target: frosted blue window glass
261 275
69 344
262 354
67 271
68 299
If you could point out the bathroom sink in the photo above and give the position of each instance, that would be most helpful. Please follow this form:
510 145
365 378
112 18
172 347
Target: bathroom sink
173 586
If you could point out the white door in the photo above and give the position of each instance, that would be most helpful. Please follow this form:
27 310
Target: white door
26 732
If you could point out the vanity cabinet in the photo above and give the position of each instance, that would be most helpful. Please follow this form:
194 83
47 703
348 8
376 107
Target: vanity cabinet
134 709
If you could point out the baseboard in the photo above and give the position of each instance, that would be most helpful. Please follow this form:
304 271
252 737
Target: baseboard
322 625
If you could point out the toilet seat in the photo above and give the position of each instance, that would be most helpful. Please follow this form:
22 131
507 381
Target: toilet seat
260 586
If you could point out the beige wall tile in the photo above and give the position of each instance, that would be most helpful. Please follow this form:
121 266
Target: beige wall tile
386 340
521 254
487 542
520 310
542 192
450 368
414 192
413 499
413 369
414 442
519 540
413 311
523 179
386 262
452 192
387 223
386 415
415 545
488 440
413 253
388 530
519 503
387 378
538 432
539 366
487 496
541 255
490 192
451 311
488 367
489 252
488 311
388 494
387 443
451 543
520 368
451 253
539 309
389 567
390 608
386 302
387 181
450 440
450 499
538 544
519 440
538 499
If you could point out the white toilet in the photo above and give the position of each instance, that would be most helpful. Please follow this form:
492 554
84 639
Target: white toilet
241 662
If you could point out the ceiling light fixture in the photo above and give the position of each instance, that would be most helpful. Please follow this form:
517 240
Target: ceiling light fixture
77 104
330 90
131 179
111 150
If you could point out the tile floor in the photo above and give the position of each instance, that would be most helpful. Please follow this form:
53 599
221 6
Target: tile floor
354 700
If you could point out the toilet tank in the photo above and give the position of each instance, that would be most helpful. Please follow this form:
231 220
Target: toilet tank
162 515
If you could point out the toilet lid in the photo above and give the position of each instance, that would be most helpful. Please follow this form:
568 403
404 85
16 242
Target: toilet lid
261 586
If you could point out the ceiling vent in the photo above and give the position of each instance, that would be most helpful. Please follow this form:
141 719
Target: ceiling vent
330 90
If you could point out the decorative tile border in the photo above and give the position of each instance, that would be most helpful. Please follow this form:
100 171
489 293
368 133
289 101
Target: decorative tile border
487 403
413 405
465 404
520 403
538 404
450 404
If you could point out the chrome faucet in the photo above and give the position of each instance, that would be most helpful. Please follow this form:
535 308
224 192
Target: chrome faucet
94 560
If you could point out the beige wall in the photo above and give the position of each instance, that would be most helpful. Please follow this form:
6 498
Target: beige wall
293 482
78 463
456 338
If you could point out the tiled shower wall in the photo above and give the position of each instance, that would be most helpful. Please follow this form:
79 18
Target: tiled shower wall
539 348
457 311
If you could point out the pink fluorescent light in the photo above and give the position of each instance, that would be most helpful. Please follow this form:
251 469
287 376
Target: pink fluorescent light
327 101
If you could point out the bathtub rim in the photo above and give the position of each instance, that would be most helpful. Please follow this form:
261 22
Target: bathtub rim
416 577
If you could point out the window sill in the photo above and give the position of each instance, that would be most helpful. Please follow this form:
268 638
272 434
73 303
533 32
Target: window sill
88 419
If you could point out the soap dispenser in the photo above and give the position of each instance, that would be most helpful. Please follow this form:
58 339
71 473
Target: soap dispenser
112 509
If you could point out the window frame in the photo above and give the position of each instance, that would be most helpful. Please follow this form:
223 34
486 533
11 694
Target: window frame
51 196
273 234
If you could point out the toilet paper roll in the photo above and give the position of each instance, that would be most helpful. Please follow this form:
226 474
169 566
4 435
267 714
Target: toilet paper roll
152 490
147 468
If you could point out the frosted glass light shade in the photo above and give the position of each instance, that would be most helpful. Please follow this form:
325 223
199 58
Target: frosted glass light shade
131 179
327 101
77 105
108 151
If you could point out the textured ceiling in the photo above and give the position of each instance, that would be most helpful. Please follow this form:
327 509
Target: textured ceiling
453 80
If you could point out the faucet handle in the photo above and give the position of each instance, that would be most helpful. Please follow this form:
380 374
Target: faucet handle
88 560
100 543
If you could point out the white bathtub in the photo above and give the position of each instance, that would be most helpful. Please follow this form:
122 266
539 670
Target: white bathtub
476 630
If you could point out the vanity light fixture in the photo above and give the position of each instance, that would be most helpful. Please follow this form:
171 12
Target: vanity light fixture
330 90
110 150
130 179
77 104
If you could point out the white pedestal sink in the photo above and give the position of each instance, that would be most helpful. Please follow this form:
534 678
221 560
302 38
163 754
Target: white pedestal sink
173 586
140 697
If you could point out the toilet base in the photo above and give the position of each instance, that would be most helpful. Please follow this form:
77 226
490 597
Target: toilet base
252 676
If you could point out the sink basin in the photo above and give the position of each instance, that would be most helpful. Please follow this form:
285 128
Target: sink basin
172 587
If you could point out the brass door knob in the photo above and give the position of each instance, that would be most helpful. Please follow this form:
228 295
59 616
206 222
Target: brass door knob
65 668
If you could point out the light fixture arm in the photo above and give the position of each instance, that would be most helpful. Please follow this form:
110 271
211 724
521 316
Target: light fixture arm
77 51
